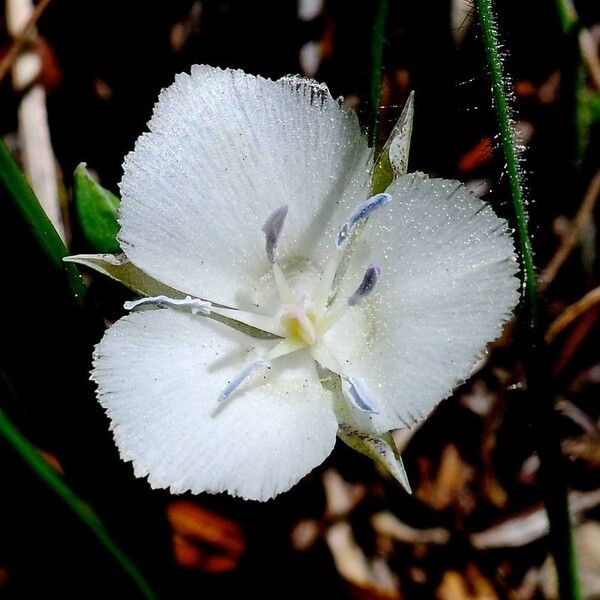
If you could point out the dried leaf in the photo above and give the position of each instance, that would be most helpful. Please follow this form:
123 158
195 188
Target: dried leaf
450 482
204 540
471 585
385 523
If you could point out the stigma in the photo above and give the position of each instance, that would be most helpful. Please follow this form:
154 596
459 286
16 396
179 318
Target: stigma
299 323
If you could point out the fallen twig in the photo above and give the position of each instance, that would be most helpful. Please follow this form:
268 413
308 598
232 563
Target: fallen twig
21 38
526 529
570 240
34 134
572 312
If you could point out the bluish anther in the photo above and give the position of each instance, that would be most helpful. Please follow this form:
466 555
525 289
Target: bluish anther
369 281
235 383
359 394
360 213
272 229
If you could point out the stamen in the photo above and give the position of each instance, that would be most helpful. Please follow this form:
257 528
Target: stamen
283 348
360 213
336 312
194 304
369 281
286 294
359 394
323 289
235 383
325 357
272 229
264 323
331 317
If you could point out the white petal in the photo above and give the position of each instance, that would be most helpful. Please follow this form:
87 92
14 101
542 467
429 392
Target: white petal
159 375
447 286
225 149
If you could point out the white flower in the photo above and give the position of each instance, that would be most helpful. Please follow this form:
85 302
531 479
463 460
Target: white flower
287 302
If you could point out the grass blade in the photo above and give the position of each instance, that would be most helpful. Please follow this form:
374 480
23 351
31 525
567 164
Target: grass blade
23 198
30 455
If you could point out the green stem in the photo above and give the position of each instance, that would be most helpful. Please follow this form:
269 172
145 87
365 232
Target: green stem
31 456
567 15
376 63
511 155
541 399
573 102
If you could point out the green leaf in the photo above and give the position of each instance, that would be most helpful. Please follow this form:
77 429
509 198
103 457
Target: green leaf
42 231
97 209
593 106
567 15
34 460
587 115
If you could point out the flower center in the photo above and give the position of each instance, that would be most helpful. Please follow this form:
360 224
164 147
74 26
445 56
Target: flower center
302 322
299 323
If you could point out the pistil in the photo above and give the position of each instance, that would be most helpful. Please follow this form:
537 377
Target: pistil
298 325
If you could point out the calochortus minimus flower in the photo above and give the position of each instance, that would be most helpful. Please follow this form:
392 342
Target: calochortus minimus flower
288 295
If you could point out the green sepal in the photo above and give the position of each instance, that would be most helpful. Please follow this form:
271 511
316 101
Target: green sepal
120 268
393 159
379 447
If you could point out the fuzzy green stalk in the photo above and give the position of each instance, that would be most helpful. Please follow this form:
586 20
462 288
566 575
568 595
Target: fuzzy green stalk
541 404
511 154
378 39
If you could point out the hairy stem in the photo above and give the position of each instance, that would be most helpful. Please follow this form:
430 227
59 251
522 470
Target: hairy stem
540 393
511 155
